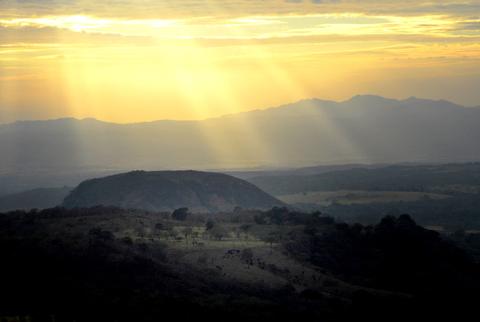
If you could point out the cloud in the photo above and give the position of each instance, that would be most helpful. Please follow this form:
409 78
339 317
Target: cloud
100 58
231 8
54 35
469 25
248 27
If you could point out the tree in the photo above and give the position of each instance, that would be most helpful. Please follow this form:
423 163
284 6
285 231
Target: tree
245 228
272 237
260 219
187 231
406 222
180 214
278 215
218 232
210 224
127 240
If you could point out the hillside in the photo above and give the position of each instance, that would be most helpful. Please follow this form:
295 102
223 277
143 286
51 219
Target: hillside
168 190
271 265
364 129
34 199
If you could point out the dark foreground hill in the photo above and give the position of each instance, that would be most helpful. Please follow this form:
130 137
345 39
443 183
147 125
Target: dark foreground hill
113 265
168 190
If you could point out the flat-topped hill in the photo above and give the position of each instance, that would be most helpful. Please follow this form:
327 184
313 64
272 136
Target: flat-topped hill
168 190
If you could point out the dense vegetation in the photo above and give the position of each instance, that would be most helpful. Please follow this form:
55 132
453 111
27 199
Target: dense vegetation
458 212
110 264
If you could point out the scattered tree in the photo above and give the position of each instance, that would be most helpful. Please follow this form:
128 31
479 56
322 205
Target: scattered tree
210 224
127 240
218 232
187 232
244 229
180 214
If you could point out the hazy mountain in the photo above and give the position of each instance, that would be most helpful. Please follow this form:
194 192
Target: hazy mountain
19 181
303 171
364 129
34 199
444 178
168 190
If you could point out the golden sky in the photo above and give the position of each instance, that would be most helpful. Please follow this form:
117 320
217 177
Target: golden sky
131 61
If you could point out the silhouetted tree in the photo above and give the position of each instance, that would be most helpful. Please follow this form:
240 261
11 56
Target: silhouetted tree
218 232
210 224
273 237
245 228
187 232
180 214
260 219
127 240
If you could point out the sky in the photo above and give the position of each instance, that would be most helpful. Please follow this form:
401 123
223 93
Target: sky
133 61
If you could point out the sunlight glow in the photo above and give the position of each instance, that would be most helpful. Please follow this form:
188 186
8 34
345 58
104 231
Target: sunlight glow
140 67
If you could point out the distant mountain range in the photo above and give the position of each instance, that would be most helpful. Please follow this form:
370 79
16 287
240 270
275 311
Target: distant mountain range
169 190
40 198
364 129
